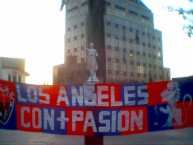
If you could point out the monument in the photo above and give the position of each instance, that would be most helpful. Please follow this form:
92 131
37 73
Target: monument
92 62
89 88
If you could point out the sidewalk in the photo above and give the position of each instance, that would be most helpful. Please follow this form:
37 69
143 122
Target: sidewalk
170 137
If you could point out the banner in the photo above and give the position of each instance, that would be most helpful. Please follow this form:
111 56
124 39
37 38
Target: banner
97 109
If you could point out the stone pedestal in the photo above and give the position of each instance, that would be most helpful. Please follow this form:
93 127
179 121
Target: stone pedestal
93 79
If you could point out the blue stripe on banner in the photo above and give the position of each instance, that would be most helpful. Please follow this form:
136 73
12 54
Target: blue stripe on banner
185 88
27 94
54 120
8 120
134 94
107 121
75 95
159 118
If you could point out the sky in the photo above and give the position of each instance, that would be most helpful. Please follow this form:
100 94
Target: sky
35 30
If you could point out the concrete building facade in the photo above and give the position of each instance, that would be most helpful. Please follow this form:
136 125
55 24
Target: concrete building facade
13 69
129 48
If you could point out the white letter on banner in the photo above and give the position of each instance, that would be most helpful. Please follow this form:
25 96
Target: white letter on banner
20 99
32 94
102 96
49 119
23 110
77 97
89 122
113 121
105 128
62 119
45 95
76 116
113 101
142 95
38 112
63 97
121 115
89 95
127 95
136 119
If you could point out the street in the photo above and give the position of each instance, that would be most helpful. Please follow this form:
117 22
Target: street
169 137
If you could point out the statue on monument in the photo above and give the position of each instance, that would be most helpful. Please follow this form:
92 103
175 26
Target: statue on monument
92 62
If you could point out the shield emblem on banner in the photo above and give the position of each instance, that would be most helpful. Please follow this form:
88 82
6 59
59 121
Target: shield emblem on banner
6 104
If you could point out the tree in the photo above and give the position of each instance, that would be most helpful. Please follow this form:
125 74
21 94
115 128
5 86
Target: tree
187 15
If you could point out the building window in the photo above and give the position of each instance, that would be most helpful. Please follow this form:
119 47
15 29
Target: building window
72 6
108 2
82 36
9 77
145 17
83 2
143 44
108 23
14 79
159 54
82 59
109 59
82 23
19 79
140 70
133 12
143 54
137 37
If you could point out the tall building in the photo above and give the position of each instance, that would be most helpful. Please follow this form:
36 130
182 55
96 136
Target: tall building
129 48
13 69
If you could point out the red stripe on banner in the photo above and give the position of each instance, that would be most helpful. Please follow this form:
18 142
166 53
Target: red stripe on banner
96 110
29 118
157 92
48 95
7 91
182 115
81 122
133 120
